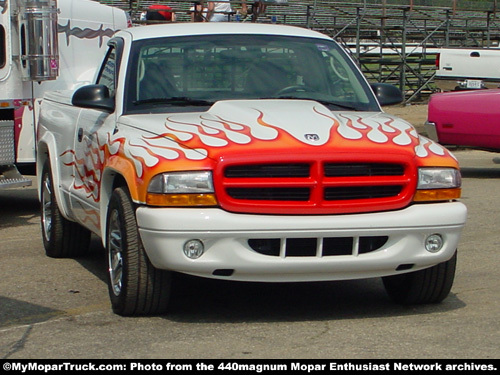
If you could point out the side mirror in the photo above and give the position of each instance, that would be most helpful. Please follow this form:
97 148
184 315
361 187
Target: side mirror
387 94
94 97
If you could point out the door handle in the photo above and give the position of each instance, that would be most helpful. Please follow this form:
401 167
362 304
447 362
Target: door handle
80 134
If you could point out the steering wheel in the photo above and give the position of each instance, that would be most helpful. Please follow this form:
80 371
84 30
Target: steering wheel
341 76
294 88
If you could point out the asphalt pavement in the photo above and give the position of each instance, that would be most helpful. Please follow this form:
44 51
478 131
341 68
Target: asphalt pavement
59 308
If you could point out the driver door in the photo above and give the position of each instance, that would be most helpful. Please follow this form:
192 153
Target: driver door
92 131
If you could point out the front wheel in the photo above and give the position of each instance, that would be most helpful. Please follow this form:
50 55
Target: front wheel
135 286
430 285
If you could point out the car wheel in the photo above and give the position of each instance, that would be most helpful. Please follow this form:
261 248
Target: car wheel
62 238
430 285
135 286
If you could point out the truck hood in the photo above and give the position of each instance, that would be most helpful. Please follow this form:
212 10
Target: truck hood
274 127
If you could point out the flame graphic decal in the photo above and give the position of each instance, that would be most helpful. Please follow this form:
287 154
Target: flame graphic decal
214 132
192 138
88 169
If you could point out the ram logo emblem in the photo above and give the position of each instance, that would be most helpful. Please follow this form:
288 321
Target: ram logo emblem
312 137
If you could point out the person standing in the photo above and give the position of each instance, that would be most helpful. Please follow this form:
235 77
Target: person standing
198 12
159 12
219 11
257 8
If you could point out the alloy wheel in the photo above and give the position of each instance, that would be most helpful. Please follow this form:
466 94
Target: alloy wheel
115 257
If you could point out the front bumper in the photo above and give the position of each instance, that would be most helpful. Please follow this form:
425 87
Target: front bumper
228 254
462 83
431 131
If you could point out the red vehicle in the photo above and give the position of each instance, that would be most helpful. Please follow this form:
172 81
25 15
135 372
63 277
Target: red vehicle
465 118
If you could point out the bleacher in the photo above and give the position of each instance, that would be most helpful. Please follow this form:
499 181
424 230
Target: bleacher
469 22
392 41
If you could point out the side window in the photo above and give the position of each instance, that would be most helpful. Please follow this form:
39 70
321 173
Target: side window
107 75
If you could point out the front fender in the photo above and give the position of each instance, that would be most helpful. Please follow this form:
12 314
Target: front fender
118 172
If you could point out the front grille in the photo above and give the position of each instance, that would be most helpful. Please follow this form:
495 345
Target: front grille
361 192
368 169
268 170
309 187
317 247
270 194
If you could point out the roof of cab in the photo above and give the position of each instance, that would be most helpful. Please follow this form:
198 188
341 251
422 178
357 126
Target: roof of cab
211 28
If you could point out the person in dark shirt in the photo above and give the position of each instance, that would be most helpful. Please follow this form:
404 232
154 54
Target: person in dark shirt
159 12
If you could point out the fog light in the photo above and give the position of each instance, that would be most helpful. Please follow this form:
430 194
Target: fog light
194 249
434 243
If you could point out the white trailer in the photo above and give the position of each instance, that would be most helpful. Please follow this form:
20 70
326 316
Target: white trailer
45 45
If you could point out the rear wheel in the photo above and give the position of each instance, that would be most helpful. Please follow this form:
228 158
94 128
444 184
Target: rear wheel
135 286
62 238
430 285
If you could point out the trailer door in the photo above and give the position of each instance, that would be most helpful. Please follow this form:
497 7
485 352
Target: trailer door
5 47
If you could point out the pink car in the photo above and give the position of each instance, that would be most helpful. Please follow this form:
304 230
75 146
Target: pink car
465 118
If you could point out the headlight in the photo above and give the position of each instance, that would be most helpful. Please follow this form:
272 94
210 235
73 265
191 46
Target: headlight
182 182
182 189
439 178
438 184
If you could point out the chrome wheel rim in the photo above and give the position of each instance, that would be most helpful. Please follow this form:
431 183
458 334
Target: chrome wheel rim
46 207
115 258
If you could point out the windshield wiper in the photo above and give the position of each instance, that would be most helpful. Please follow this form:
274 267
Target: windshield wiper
324 102
176 100
344 106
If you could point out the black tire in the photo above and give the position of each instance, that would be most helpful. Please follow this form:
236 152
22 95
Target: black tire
135 286
430 285
62 238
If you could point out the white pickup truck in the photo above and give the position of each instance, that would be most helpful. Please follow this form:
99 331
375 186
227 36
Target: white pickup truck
467 68
245 152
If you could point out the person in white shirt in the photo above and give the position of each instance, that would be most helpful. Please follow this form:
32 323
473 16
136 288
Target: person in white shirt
219 11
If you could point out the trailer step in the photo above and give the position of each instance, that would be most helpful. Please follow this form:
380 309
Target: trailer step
6 183
11 178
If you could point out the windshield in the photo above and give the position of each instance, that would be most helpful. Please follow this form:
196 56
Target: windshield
200 70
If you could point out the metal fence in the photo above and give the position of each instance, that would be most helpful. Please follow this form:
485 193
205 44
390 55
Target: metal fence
392 41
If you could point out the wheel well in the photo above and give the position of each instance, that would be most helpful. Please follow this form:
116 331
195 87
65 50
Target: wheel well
118 182
42 156
110 181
